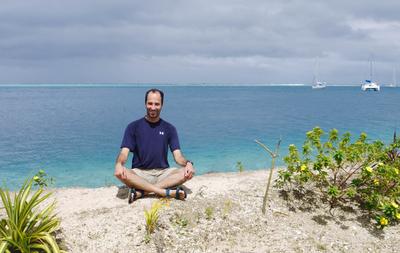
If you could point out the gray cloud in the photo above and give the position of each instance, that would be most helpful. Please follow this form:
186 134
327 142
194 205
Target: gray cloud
230 41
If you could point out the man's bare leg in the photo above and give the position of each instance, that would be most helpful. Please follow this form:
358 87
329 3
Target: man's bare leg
132 180
175 178
135 181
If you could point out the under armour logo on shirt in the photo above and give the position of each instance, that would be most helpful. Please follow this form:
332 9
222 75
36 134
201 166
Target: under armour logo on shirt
161 133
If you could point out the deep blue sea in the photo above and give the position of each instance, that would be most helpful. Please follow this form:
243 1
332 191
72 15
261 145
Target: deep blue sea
74 133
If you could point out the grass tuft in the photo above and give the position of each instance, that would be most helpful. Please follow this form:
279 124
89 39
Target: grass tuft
152 216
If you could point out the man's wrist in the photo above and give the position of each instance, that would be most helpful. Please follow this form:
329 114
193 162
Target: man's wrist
189 161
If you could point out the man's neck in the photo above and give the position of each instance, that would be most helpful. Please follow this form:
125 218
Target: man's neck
155 120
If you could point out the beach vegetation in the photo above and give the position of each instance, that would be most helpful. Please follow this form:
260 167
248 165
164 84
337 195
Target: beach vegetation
344 171
239 166
209 212
274 155
152 216
227 208
26 227
321 247
41 179
180 220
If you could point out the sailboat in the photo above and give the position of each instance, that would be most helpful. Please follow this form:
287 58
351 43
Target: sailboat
316 83
319 85
370 85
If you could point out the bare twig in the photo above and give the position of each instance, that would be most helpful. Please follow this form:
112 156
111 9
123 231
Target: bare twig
266 148
343 182
273 155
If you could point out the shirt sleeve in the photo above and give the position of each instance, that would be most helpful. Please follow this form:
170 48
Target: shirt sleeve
173 140
129 138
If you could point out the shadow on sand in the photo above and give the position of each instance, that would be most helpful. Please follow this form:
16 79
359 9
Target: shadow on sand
309 201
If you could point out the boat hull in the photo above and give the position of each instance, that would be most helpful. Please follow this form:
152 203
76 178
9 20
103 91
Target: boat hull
372 86
319 85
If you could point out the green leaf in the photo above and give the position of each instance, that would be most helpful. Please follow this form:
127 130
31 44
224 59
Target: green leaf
26 227
333 191
3 246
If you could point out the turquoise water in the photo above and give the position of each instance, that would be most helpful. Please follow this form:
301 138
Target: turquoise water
74 133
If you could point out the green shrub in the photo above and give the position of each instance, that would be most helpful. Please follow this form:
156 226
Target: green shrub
26 228
341 171
240 166
41 179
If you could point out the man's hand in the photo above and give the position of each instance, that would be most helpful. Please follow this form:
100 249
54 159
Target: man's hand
120 172
188 171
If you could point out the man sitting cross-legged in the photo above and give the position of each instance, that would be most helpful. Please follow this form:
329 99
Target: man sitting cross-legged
148 139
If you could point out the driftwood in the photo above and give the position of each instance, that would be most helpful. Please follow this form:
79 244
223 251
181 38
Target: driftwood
273 155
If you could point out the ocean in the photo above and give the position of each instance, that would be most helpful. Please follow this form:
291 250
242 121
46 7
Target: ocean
74 132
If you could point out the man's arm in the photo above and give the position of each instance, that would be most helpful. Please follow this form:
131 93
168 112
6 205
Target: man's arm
120 170
181 160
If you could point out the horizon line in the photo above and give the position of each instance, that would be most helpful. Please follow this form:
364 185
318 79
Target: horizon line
167 84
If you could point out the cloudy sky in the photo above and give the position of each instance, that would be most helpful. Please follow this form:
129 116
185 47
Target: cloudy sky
204 41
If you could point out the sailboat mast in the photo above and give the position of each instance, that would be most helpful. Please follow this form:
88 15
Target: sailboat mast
370 70
316 70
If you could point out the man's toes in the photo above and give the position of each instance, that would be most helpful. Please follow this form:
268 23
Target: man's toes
181 195
184 194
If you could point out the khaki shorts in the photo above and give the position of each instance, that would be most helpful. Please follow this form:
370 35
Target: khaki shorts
154 176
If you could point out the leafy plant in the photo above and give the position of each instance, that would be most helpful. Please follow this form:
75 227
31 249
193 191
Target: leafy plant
181 220
27 229
41 179
342 171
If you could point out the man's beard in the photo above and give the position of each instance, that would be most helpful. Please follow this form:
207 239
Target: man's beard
153 114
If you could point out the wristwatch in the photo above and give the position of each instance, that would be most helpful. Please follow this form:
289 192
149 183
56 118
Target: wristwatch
188 161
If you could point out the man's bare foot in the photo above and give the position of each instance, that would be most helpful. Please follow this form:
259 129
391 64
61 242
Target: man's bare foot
135 194
179 193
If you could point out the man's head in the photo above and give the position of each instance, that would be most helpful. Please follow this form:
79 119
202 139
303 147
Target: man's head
154 101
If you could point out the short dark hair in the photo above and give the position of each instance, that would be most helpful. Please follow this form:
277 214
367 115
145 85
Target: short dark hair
154 91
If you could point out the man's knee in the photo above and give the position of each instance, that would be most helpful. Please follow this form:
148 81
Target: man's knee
184 178
118 176
180 175
125 177
121 178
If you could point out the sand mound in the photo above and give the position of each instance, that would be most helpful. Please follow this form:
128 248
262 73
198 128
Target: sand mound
222 214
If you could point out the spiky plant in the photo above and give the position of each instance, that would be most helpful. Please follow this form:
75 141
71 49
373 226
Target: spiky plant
27 228
151 217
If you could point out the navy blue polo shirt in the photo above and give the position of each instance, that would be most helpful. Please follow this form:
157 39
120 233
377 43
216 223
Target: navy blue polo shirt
149 143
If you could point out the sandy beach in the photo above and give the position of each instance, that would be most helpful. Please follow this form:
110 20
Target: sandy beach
221 214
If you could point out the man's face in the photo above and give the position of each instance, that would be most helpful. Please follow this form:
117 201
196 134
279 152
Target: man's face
153 105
